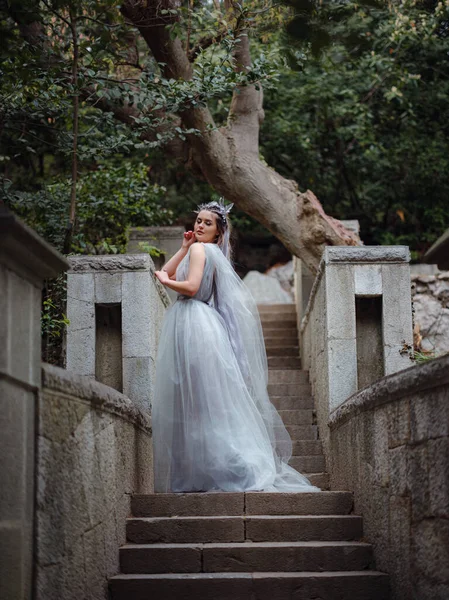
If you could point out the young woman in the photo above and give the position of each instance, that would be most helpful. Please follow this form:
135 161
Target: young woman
214 426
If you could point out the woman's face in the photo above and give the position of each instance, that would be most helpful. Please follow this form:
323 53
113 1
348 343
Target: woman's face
205 228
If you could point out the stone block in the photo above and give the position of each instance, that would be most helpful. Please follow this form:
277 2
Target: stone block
340 302
136 317
286 556
80 286
22 311
398 423
429 414
108 288
161 558
342 364
317 503
438 455
397 317
366 254
14 404
430 551
185 530
81 315
399 545
111 545
398 471
95 564
192 504
418 481
137 383
367 280
81 352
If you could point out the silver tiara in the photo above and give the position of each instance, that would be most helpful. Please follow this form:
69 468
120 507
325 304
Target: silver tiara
216 207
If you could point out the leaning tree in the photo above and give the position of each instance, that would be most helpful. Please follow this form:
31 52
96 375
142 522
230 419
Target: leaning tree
225 155
228 157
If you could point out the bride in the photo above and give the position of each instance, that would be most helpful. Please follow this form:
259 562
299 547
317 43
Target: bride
214 426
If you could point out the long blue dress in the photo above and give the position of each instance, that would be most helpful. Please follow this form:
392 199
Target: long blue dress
214 427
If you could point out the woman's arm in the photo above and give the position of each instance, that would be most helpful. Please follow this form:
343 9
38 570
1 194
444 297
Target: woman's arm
191 285
171 266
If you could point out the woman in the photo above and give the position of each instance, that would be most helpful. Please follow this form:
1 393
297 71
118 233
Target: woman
214 426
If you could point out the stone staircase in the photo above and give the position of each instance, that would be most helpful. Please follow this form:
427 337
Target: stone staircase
290 391
254 545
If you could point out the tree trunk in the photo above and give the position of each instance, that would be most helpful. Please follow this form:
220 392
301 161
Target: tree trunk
229 159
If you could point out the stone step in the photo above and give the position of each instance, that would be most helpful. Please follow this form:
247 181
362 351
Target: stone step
281 335
245 557
292 402
321 480
267 317
276 342
285 308
347 585
289 389
238 504
273 351
308 464
180 530
276 308
307 448
285 325
297 416
288 376
284 362
302 432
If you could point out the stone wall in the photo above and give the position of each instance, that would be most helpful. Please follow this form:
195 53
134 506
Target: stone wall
389 444
93 451
358 324
430 295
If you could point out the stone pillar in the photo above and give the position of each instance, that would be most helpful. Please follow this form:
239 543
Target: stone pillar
168 239
304 278
25 261
115 306
367 316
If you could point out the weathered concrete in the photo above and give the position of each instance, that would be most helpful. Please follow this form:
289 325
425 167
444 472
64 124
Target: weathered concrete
25 261
123 291
344 347
94 451
389 444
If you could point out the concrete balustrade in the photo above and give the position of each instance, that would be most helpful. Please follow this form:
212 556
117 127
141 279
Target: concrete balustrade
115 305
357 326
25 261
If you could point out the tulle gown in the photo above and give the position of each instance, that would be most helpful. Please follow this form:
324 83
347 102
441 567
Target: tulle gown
214 427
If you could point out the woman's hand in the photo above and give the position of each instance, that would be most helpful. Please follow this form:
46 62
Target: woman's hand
189 239
163 276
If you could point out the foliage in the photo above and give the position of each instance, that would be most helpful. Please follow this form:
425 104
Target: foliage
110 200
364 122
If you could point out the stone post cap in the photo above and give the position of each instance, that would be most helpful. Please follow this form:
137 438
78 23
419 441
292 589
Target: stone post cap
366 254
23 250
111 263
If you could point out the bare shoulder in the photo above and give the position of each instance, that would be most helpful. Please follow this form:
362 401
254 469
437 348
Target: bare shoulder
197 249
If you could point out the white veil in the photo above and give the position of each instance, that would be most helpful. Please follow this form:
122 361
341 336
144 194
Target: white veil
237 307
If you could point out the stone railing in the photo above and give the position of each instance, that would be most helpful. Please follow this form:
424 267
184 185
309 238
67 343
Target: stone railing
115 305
25 261
93 451
389 445
357 326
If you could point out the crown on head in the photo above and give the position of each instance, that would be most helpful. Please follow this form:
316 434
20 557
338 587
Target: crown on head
217 207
